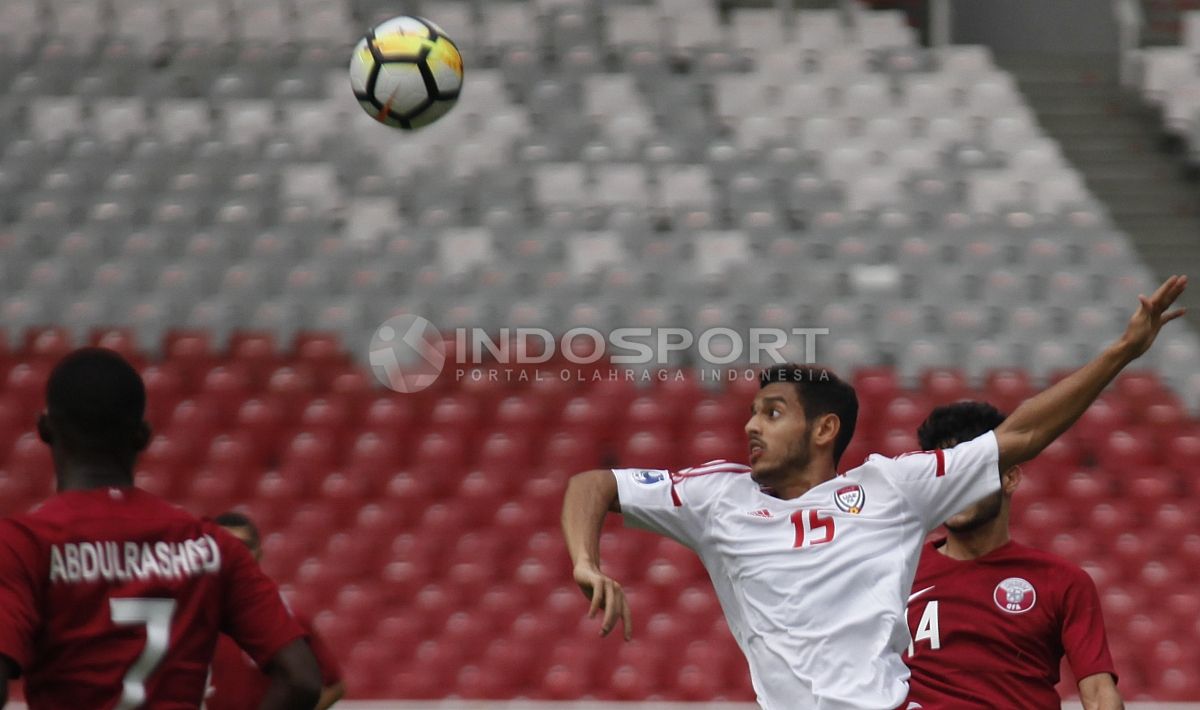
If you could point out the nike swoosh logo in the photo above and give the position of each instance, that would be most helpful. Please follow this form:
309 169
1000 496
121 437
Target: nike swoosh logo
914 595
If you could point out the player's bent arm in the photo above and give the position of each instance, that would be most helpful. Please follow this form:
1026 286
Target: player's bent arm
1043 417
295 678
1099 692
330 694
590 496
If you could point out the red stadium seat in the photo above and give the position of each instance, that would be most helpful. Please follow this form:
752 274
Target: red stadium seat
26 383
211 492
120 341
390 416
586 417
321 351
455 412
191 352
650 412
1139 388
291 386
353 388
480 493
1107 520
278 489
235 455
257 352
629 683
520 412
717 415
322 414
904 413
1104 416
372 456
646 449
1182 453
503 603
1149 488
308 457
876 387
505 455
47 345
709 446
442 454
263 421
1006 389
1084 491
1132 550
681 388
223 390
945 386
570 450
1124 450
561 683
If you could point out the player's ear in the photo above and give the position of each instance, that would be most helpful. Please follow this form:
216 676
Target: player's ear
45 433
1010 479
141 436
827 428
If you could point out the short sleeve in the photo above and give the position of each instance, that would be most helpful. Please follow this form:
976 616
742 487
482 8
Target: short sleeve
676 505
1083 637
252 613
940 483
19 618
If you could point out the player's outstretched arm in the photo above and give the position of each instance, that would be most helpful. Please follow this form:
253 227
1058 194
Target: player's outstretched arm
295 678
1099 692
590 495
1043 417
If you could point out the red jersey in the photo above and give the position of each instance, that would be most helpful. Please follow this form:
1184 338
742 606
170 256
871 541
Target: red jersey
113 598
991 632
238 683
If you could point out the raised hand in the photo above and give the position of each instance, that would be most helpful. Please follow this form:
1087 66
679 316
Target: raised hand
1152 314
605 594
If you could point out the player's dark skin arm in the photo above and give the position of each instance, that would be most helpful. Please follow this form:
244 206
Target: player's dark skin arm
295 679
7 672
1042 418
590 496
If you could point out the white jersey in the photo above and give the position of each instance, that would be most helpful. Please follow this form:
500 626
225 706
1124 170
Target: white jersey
814 588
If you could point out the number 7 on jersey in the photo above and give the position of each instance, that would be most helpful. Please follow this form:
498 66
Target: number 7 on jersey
155 615
811 528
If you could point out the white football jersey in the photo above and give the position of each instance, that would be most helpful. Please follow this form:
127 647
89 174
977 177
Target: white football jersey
814 588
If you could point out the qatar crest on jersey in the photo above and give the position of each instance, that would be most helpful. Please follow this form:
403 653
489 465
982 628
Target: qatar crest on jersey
1015 595
648 477
850 498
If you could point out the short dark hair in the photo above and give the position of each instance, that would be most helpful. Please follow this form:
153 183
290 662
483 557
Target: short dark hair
953 424
96 402
820 392
234 519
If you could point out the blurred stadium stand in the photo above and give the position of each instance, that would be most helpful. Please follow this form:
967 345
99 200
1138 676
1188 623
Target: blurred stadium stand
190 183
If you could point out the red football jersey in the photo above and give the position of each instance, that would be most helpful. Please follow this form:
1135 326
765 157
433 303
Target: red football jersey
991 632
238 683
113 598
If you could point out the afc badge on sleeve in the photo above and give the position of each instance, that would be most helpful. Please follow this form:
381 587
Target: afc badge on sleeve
648 477
1015 595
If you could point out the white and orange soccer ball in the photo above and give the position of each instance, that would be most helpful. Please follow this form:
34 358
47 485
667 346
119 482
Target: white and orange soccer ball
406 72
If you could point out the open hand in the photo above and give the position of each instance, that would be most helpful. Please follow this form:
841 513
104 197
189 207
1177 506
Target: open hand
605 594
1152 314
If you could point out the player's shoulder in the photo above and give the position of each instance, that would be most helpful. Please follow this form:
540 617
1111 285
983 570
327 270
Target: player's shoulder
714 468
1020 553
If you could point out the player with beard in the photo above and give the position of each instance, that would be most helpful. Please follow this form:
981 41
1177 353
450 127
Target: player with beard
813 569
991 618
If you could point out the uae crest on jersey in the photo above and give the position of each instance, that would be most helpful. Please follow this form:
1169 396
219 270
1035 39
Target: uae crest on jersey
850 498
1015 595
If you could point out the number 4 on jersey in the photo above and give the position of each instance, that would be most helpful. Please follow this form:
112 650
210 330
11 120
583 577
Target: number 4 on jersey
927 630
811 528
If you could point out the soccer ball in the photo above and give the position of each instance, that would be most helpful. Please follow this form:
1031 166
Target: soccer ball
406 72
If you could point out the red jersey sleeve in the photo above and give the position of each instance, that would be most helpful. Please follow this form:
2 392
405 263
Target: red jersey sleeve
252 612
1083 637
18 596
330 671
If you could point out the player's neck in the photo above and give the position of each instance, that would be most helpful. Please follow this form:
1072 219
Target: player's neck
800 482
83 476
976 543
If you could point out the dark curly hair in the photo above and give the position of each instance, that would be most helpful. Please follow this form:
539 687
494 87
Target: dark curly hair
955 423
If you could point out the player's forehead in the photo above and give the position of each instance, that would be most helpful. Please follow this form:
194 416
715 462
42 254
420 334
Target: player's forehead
777 393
